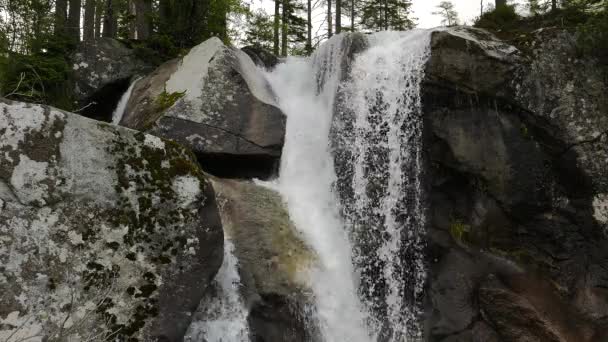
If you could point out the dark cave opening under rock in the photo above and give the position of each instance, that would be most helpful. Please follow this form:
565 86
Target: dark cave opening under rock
225 165
102 103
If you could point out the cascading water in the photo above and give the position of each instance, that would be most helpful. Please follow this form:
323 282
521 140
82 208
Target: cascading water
223 318
350 175
306 90
122 104
377 139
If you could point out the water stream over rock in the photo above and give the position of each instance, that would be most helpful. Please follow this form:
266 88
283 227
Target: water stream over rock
350 176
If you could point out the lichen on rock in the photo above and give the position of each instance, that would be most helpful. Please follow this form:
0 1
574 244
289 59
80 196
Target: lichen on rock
94 234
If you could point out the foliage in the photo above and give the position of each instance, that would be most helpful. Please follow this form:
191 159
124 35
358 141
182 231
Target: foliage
40 75
387 15
593 36
157 49
166 100
260 30
500 18
448 13
296 27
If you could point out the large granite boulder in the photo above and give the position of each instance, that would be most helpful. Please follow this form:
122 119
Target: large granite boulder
215 101
105 233
101 73
273 264
516 179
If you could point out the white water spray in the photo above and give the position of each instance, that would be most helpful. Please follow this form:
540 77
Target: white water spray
119 112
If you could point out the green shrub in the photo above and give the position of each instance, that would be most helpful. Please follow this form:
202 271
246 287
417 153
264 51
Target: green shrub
502 17
40 78
593 36
166 100
157 49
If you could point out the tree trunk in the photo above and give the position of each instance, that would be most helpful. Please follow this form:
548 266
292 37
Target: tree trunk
480 8
352 15
553 5
338 16
109 20
284 28
385 15
143 15
329 24
98 16
309 26
61 14
89 21
149 25
132 24
74 21
277 22
501 3
164 10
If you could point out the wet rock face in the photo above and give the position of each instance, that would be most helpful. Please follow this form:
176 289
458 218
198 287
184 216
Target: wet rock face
261 57
272 261
221 105
101 73
104 232
516 203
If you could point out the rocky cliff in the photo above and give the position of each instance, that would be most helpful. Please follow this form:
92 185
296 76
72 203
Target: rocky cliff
110 232
516 173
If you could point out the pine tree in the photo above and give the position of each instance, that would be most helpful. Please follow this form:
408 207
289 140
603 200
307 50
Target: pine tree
447 12
387 15
259 30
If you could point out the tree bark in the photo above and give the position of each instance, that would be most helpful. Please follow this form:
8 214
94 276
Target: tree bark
164 10
277 23
329 23
142 25
98 16
480 8
61 14
352 15
132 23
338 16
309 26
553 5
89 21
74 20
385 15
284 28
109 20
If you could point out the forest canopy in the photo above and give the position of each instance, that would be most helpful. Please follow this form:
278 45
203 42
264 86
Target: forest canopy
37 36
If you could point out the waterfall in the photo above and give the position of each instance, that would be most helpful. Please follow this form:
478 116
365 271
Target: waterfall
223 317
122 104
377 139
351 177
306 91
